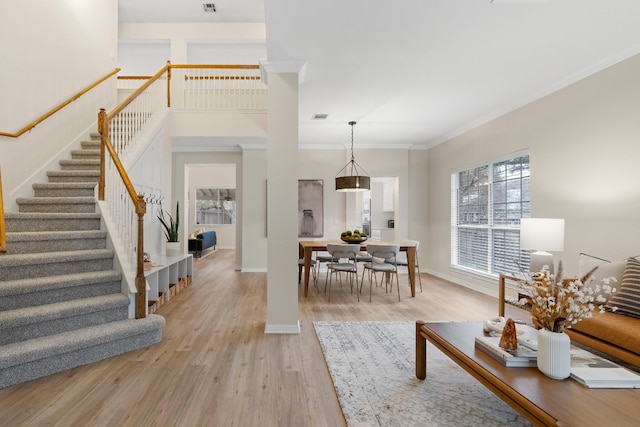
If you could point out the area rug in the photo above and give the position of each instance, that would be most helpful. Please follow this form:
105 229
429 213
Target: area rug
372 365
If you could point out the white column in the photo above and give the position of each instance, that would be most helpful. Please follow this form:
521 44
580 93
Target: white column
282 78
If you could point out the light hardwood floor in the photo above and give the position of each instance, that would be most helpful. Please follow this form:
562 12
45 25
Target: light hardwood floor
216 367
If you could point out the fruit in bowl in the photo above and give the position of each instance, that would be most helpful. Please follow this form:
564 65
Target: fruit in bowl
355 236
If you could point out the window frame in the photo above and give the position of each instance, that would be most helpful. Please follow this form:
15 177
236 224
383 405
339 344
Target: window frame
219 200
496 263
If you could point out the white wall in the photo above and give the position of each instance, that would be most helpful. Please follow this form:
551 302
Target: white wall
52 51
38 46
584 148
143 58
324 164
184 37
226 52
146 177
254 211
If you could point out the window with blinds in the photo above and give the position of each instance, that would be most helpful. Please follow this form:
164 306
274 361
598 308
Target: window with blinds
487 203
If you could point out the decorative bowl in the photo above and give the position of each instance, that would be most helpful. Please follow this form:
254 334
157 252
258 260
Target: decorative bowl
353 239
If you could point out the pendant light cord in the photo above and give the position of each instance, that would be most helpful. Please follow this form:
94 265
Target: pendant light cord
352 156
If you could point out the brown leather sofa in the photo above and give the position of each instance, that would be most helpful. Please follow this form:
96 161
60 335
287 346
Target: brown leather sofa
614 334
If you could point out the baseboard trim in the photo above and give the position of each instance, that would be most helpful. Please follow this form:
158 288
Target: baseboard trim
466 284
283 329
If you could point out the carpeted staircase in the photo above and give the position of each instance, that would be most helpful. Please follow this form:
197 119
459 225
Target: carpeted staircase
61 304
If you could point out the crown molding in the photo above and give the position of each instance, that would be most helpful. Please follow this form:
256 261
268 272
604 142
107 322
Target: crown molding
281 67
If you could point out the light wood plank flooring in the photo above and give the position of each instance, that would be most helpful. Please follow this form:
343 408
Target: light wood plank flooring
216 367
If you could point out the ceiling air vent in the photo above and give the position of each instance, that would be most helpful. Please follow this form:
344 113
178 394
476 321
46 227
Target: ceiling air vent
209 7
319 116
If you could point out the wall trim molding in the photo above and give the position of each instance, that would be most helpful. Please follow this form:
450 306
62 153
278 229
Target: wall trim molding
283 329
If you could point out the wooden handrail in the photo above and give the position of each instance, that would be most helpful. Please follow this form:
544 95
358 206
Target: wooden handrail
221 66
3 233
137 92
134 77
221 77
137 200
103 127
59 107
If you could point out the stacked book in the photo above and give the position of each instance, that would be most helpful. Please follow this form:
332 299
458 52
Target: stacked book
587 368
597 372
522 357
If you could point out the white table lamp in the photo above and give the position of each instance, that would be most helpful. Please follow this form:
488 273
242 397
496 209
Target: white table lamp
541 235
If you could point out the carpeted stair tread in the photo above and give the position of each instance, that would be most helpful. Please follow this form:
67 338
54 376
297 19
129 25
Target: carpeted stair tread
51 215
89 162
57 204
51 221
25 242
88 172
54 235
86 152
40 284
65 189
54 200
65 185
53 345
53 257
48 312
82 175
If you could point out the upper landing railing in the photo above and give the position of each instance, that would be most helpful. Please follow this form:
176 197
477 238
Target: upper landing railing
209 87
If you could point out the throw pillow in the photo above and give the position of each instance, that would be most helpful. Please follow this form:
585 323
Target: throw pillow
605 269
627 296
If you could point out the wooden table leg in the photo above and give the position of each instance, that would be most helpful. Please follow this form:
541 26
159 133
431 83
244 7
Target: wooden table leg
421 352
308 251
411 261
501 291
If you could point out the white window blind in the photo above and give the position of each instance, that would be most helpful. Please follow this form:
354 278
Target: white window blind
487 203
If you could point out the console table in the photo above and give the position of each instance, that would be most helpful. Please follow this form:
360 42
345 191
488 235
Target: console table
168 273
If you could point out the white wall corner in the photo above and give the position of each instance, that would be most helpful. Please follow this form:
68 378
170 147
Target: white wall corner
290 66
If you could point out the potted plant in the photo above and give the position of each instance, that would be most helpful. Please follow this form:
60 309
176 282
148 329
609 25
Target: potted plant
171 227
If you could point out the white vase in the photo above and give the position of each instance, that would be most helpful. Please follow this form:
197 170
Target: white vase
172 248
554 354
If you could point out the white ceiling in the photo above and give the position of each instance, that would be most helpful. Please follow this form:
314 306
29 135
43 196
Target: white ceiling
416 72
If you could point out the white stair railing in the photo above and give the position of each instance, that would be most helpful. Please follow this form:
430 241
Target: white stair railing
217 87
123 134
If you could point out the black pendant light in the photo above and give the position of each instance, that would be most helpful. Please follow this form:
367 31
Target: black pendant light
354 178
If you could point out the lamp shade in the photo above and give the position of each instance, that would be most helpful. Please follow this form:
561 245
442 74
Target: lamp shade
542 234
353 183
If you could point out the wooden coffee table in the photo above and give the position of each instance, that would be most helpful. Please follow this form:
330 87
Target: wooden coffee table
542 400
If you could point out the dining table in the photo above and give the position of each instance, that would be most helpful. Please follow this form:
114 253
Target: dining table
307 247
